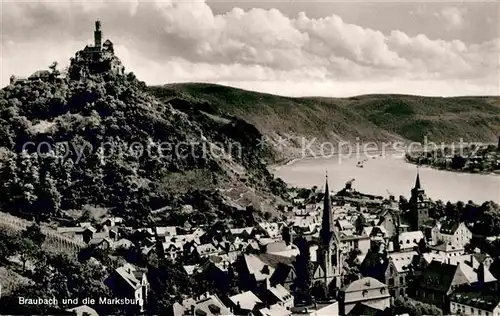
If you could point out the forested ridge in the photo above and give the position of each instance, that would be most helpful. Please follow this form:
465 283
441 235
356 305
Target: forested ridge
95 136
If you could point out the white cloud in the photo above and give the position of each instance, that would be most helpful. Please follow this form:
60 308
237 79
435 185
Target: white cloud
453 16
172 41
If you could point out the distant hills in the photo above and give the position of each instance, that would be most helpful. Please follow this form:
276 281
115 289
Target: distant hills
367 117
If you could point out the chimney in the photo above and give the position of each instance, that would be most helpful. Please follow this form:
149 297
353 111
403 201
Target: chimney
472 261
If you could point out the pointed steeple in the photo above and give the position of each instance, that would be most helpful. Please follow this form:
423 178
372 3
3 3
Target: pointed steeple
327 225
417 182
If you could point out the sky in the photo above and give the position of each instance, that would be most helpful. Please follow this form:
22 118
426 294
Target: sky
295 48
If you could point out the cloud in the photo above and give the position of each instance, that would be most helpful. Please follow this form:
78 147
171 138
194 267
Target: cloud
173 41
453 16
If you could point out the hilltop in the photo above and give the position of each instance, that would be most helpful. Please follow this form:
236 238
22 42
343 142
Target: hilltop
95 138
368 117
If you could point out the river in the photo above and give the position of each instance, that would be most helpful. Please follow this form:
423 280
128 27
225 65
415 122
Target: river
390 174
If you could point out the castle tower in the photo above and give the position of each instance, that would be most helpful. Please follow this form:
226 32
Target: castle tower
419 205
329 250
98 35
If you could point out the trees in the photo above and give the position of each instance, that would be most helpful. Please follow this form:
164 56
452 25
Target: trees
34 233
414 308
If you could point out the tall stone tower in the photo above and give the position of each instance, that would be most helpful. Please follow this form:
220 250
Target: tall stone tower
97 35
329 253
419 205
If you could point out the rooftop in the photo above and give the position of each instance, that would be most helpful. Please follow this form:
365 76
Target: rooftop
484 301
363 284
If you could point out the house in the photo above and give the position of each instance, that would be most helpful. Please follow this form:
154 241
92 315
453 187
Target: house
396 273
203 251
344 226
172 250
40 75
457 234
253 273
280 248
368 291
274 310
448 249
484 258
166 231
244 233
128 282
271 230
206 305
320 309
365 310
475 303
16 80
245 303
438 280
279 295
349 242
88 233
112 221
409 240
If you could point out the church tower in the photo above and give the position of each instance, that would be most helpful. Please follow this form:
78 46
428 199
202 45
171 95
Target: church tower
329 251
97 35
419 205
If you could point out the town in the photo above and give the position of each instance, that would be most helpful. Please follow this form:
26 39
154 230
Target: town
471 159
330 254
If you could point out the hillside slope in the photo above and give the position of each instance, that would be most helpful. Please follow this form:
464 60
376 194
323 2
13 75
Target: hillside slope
368 117
95 136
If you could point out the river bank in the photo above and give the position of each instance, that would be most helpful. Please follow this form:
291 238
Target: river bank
390 175
360 155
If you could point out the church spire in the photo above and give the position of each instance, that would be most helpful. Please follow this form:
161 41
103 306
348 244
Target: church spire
417 182
327 225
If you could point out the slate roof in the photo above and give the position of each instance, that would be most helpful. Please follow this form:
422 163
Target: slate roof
209 306
446 247
275 310
449 227
212 306
410 239
40 74
363 284
472 273
280 292
480 300
402 260
247 300
127 272
273 260
481 257
257 267
363 309
438 276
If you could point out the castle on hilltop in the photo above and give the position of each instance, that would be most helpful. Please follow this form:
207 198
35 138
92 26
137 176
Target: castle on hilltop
93 59
96 51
